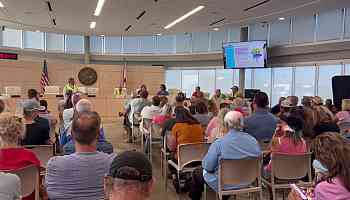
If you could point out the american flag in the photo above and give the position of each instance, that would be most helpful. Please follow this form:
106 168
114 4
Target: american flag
44 81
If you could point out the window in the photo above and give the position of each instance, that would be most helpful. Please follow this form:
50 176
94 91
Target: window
189 81
173 79
96 43
347 23
280 32
282 83
248 79
303 29
75 44
347 69
234 34
33 40
200 41
113 45
326 73
258 31
12 38
236 77
207 80
166 44
224 80
54 42
216 40
147 44
262 80
183 43
329 25
304 81
130 45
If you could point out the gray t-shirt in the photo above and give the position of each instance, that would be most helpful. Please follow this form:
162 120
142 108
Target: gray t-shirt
10 186
79 176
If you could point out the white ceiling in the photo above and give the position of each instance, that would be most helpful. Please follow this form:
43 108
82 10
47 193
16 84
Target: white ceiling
74 16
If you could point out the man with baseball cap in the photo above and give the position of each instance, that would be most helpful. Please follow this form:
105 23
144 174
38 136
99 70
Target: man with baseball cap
37 129
130 177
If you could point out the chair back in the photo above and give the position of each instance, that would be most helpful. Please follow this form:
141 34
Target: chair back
42 152
291 167
136 118
156 131
188 153
239 171
29 177
146 125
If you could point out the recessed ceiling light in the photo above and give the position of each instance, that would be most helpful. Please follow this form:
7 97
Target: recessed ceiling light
216 29
1 5
99 7
281 18
102 35
92 25
37 31
159 34
184 17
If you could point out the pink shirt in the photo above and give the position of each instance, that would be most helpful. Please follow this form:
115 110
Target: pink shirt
333 191
286 146
160 119
211 126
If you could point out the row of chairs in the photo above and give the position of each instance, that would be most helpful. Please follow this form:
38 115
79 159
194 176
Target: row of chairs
30 175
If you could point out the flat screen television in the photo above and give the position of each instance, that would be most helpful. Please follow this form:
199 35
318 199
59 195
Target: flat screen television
238 55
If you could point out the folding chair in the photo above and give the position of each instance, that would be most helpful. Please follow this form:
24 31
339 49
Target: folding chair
43 152
238 172
135 124
164 154
288 169
29 180
186 154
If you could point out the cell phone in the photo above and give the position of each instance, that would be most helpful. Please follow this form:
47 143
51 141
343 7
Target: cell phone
301 193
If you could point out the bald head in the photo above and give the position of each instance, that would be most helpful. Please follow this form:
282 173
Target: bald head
83 105
85 128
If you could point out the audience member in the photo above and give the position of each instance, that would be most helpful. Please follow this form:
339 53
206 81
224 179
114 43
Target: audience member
37 130
10 186
163 91
79 175
68 100
102 144
286 107
324 118
234 145
198 93
169 124
2 106
202 114
217 98
164 116
277 108
148 112
68 113
134 108
261 124
186 130
163 101
288 138
333 152
294 100
12 156
216 127
235 92
130 177
33 94
343 117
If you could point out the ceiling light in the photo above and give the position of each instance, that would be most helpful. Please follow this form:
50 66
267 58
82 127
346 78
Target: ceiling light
92 25
1 5
216 29
184 17
281 18
99 7
159 34
37 31
102 35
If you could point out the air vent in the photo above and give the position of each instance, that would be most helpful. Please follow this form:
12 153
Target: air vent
141 15
49 6
127 28
217 21
256 5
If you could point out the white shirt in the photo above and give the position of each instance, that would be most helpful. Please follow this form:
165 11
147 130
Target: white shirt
67 117
149 112
10 186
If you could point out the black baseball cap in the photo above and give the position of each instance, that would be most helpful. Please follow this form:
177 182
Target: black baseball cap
131 165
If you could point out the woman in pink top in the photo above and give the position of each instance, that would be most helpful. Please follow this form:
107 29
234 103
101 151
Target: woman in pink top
215 126
165 115
288 138
333 151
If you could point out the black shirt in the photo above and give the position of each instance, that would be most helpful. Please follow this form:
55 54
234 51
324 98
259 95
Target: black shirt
276 109
37 133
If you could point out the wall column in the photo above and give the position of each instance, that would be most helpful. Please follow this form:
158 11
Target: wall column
87 57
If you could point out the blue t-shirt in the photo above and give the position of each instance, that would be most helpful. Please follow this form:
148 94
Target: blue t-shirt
261 125
234 145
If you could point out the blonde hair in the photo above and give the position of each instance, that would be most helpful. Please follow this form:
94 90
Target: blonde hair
345 105
11 129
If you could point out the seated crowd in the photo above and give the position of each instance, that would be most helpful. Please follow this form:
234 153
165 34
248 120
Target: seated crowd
236 128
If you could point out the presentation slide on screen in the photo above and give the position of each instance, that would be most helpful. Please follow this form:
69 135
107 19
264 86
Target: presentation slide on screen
245 54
